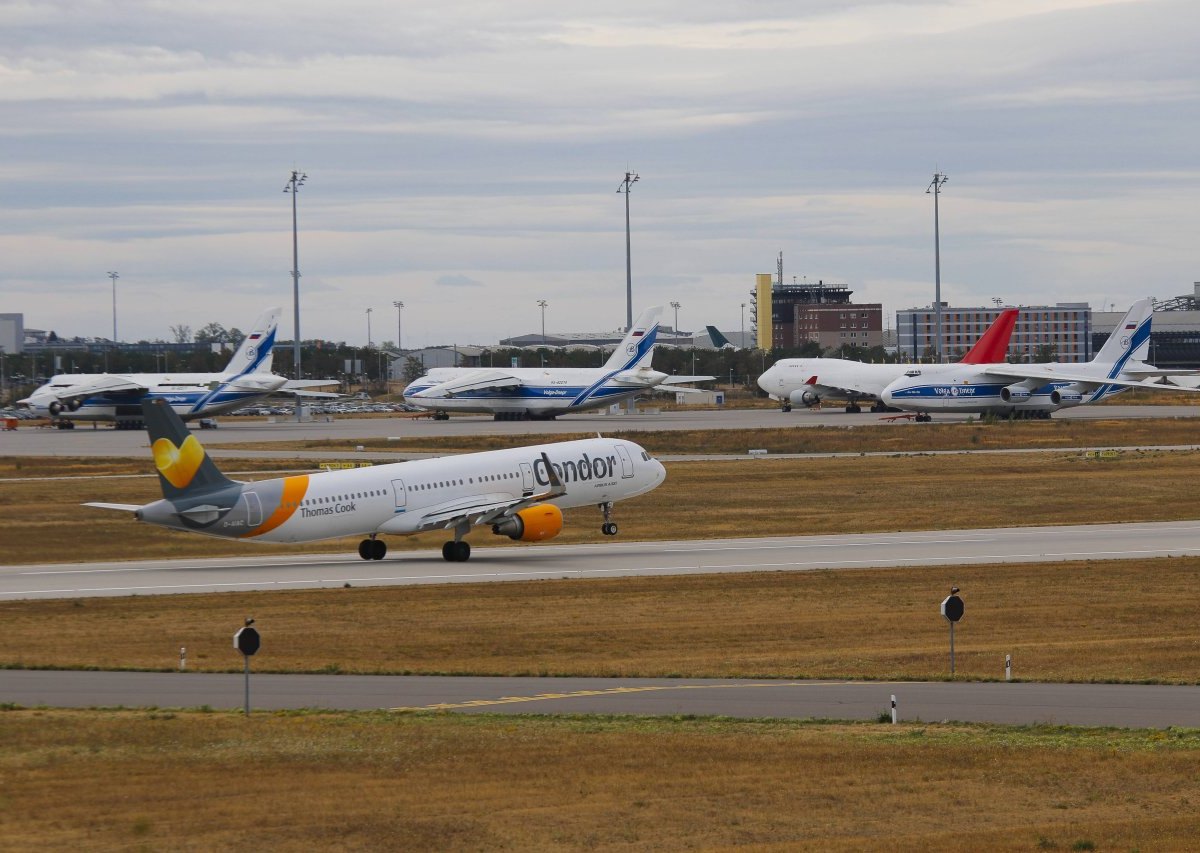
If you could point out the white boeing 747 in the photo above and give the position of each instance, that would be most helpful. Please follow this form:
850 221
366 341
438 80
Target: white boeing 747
543 393
807 381
1036 389
118 396
520 493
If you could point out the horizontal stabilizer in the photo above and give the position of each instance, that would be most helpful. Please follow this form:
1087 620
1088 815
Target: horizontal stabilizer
118 507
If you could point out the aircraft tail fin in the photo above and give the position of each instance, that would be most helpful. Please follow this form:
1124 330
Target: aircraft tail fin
257 349
718 340
637 348
992 346
183 466
1130 340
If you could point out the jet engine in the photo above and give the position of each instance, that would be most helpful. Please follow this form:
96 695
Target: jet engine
1015 393
532 524
804 397
1068 395
55 408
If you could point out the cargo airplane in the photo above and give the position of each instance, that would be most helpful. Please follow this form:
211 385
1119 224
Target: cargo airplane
543 393
520 493
806 381
118 396
1036 389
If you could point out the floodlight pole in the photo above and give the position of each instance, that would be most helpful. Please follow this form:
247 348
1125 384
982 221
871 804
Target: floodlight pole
675 305
114 276
293 186
935 187
399 306
630 178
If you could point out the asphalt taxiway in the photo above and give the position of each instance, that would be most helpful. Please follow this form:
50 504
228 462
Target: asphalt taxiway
1124 705
104 441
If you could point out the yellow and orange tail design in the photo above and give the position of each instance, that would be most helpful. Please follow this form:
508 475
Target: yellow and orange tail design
178 465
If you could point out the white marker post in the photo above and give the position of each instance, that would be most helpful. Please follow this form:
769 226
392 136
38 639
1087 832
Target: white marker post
894 709
182 658
1008 667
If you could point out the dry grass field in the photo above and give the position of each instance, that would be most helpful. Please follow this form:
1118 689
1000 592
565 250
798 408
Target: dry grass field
42 521
1127 621
95 780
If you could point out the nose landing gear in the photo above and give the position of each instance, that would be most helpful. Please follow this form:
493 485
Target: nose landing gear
609 527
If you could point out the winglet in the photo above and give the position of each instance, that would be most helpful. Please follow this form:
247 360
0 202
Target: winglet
992 346
556 484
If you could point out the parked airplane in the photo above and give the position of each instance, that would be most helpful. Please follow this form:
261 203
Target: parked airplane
519 492
543 393
806 381
117 396
1035 390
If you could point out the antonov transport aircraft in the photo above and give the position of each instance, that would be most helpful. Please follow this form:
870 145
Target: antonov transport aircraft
516 393
806 381
519 492
118 396
1036 389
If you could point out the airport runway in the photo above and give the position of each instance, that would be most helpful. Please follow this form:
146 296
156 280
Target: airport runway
105 441
611 559
1125 705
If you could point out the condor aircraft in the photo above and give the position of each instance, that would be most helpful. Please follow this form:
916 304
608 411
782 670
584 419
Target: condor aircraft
118 396
1036 389
543 393
806 381
520 493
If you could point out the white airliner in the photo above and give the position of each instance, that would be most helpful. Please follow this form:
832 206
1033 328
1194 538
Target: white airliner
118 396
516 393
519 492
1036 389
806 381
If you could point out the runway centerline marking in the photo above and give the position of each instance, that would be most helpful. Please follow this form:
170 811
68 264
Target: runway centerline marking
617 691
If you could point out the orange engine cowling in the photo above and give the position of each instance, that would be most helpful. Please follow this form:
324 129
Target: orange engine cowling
532 524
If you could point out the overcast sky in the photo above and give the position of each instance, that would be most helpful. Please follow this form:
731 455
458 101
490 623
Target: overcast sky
464 157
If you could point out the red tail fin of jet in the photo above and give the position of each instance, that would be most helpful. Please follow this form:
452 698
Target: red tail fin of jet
992 346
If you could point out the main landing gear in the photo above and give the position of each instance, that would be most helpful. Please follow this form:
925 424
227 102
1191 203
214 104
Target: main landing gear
609 527
786 407
923 417
457 550
853 409
372 549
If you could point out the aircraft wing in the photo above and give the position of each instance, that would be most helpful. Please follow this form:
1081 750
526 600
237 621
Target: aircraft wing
99 385
476 380
1044 373
486 509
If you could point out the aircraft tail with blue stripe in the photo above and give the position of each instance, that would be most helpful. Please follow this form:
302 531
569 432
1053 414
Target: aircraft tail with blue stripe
637 348
257 349
1130 339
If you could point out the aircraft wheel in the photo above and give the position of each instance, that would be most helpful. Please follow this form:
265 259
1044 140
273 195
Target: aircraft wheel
365 549
456 552
378 549
787 407
609 528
